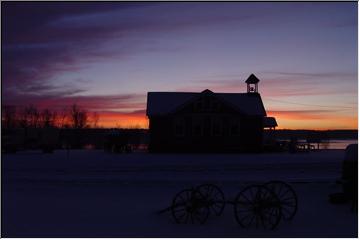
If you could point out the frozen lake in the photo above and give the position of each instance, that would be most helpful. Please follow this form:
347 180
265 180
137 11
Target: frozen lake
94 194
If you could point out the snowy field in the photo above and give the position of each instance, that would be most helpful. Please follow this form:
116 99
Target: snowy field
89 193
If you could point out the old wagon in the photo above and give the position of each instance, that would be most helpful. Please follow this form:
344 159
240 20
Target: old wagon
256 205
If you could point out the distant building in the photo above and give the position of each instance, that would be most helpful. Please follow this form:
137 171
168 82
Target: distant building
207 121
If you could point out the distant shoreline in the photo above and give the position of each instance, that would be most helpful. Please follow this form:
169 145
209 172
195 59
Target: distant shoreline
325 134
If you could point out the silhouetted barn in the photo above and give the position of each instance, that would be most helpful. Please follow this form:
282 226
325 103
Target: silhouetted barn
206 121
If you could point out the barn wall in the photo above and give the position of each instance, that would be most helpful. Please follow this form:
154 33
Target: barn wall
163 137
159 134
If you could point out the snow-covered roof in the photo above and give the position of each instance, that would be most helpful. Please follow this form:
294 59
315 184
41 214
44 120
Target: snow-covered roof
162 103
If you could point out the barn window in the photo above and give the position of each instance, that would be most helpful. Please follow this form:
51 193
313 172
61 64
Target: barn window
197 128
179 127
206 103
217 127
235 128
216 106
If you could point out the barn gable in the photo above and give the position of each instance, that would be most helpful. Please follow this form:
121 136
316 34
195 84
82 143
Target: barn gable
206 102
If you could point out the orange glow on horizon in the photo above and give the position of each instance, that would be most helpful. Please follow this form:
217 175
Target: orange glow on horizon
285 120
313 121
123 120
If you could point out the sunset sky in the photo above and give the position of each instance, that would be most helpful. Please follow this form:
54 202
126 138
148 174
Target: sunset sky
106 56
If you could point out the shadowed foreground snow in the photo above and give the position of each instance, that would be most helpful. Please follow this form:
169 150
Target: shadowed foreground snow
94 194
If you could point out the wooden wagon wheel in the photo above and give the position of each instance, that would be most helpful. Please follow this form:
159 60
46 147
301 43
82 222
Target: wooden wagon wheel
215 198
287 197
257 205
189 206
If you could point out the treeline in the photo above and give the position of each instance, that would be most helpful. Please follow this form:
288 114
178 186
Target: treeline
32 117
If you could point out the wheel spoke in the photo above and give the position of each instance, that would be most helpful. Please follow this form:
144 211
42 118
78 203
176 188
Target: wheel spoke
248 200
263 222
215 208
244 210
213 197
272 217
287 198
246 216
182 198
257 220
187 218
287 210
251 221
199 218
182 215
284 194
287 204
180 210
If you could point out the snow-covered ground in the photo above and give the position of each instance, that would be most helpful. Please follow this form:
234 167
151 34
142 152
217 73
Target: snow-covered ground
89 193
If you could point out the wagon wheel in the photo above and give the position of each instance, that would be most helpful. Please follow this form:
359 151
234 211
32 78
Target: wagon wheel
189 206
257 205
287 197
214 197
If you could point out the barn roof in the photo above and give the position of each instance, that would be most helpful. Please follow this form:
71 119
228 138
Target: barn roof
269 122
162 103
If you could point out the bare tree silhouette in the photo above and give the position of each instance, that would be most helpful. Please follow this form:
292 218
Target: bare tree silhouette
48 118
8 116
29 117
95 119
78 117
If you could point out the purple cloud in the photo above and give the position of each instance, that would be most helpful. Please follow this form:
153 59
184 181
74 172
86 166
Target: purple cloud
63 37
62 99
312 75
280 84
